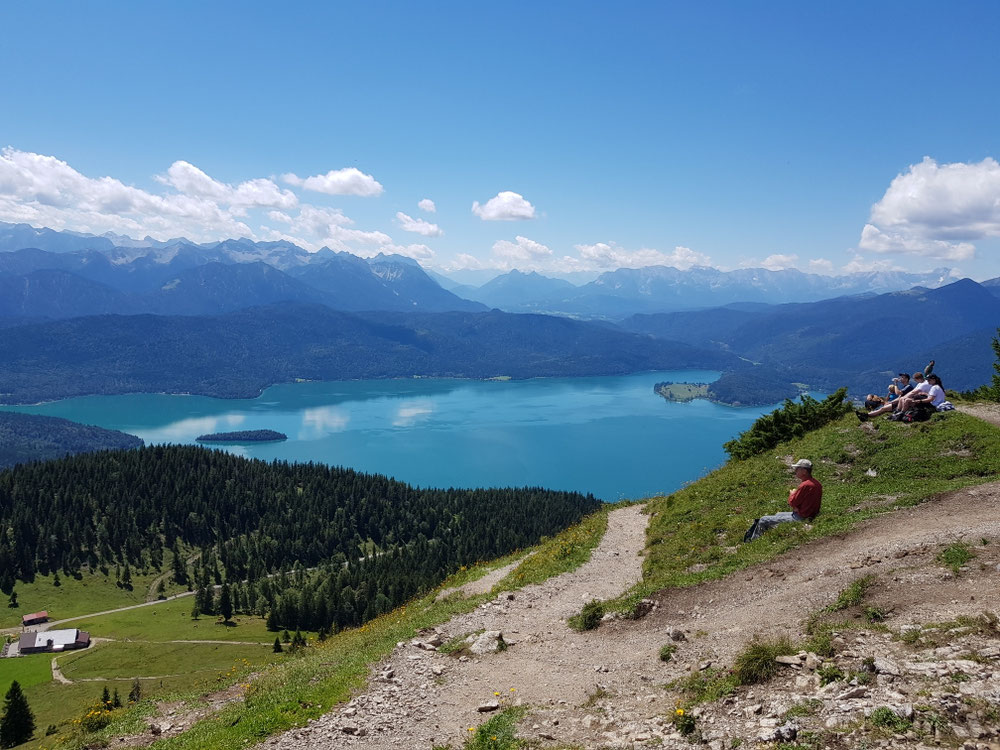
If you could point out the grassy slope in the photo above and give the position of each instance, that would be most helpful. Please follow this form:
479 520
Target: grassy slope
172 621
288 689
128 660
703 524
92 593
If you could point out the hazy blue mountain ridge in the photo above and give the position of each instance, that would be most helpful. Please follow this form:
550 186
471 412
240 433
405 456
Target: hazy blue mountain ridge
856 341
240 353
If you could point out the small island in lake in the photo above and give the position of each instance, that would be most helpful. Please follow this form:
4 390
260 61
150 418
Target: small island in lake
243 436
759 387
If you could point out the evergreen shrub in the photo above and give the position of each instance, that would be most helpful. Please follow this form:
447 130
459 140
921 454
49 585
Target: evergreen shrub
793 420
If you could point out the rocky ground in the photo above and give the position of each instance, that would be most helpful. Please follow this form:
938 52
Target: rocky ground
932 661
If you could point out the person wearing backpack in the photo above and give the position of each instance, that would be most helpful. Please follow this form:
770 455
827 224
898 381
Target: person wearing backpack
805 501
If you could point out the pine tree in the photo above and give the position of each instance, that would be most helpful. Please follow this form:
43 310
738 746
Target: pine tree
105 697
135 694
12 602
277 645
225 603
18 723
116 700
195 610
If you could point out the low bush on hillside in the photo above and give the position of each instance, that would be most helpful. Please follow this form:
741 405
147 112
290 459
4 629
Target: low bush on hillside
793 420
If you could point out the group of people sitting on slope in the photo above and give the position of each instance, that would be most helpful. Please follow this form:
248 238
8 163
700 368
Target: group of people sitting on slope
922 392
909 399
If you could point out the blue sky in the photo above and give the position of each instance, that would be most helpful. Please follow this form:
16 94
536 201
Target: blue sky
552 136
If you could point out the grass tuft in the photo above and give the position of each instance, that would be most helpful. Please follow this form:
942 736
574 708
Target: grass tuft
756 664
854 594
955 556
589 617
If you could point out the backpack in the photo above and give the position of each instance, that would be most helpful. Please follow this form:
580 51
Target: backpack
919 413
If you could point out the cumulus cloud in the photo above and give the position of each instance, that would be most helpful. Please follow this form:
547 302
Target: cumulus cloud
504 206
347 181
778 262
521 252
821 265
603 255
417 226
907 242
936 210
46 191
417 252
427 205
860 264
186 178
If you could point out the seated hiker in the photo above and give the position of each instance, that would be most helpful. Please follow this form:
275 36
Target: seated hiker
804 500
919 385
933 396
900 386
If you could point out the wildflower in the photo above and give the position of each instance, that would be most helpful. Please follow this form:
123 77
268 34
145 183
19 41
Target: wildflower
472 729
496 693
680 711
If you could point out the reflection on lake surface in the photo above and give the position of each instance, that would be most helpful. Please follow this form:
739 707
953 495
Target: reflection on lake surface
611 436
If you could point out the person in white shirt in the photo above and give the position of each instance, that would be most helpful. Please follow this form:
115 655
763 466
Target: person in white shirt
929 391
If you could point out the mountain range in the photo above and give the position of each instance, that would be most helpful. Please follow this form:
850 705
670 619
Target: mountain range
159 277
857 341
107 314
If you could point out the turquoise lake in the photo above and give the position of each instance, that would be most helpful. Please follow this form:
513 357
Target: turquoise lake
611 436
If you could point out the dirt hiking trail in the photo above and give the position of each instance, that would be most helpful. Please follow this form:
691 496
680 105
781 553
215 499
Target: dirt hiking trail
418 698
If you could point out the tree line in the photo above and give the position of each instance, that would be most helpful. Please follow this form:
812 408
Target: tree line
369 542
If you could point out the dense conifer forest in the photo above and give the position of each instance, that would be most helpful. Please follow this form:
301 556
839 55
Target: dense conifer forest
29 437
312 546
242 436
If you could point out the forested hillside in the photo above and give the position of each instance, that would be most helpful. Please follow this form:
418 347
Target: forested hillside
240 353
376 542
28 437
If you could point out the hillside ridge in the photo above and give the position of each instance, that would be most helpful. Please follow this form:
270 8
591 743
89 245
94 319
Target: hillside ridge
604 688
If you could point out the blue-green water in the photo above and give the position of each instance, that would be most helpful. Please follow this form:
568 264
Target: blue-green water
612 436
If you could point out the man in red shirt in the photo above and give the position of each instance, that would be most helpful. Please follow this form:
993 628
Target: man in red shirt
805 501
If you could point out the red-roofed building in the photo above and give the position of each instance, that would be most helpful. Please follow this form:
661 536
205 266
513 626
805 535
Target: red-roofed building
36 618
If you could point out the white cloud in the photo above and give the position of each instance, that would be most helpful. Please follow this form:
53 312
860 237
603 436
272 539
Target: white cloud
604 255
778 262
347 181
46 191
505 206
427 205
905 242
188 179
860 264
520 253
936 210
417 252
417 226
822 266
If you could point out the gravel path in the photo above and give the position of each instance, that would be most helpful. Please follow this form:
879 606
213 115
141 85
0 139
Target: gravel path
546 663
